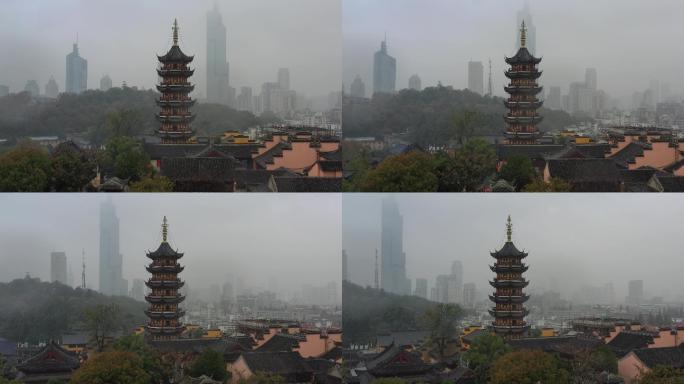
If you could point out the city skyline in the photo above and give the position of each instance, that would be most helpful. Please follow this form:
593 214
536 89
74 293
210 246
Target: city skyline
441 52
216 233
260 41
589 241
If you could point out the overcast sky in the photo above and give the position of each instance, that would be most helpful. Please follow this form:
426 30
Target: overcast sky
121 38
629 42
572 239
295 238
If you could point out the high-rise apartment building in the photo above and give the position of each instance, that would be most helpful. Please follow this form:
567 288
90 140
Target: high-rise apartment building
58 267
476 77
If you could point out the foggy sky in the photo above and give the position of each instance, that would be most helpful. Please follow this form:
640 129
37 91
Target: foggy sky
295 238
629 42
122 37
572 239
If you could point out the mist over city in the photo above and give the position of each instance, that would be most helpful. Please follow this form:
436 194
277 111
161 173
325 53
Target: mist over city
628 43
254 243
573 244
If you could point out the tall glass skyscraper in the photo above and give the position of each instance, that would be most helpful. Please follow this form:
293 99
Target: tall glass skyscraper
111 281
393 269
76 72
217 64
384 71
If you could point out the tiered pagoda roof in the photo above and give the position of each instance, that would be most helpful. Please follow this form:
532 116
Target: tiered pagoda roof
522 118
508 310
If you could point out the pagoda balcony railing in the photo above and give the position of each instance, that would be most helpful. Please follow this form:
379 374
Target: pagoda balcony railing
509 283
165 268
523 104
528 90
513 74
513 314
178 134
176 299
509 268
509 299
176 118
165 283
165 314
167 330
175 87
510 328
175 72
523 119
522 134
168 103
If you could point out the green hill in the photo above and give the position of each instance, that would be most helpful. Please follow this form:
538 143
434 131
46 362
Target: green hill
34 311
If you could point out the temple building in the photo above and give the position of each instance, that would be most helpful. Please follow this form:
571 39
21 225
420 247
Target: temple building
508 311
522 118
164 314
175 101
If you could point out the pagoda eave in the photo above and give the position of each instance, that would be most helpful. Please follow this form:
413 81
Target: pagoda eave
164 284
523 119
175 72
165 299
185 88
523 104
165 330
509 268
523 74
176 103
509 283
175 118
522 90
508 314
508 329
508 299
165 315
165 268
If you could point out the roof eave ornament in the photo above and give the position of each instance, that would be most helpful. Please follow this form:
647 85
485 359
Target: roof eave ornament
523 35
175 32
165 230
509 229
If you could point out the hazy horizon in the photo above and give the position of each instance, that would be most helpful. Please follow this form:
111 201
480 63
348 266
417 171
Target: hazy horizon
292 238
572 240
629 42
122 39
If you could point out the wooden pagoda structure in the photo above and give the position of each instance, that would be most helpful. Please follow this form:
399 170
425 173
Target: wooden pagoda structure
508 311
175 102
522 117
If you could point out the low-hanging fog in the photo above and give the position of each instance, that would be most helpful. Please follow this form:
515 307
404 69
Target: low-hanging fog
572 239
629 42
269 242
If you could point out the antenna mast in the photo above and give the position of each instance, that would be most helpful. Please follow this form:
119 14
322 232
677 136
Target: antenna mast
489 85
377 280
83 283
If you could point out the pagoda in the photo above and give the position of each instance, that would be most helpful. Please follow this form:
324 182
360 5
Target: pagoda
175 101
164 313
508 311
522 118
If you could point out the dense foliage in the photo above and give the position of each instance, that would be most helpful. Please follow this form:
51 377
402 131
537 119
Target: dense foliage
528 367
112 367
35 311
430 116
159 370
441 320
662 375
209 363
486 348
369 311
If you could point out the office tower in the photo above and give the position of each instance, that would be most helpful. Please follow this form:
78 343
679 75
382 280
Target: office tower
284 79
58 267
414 83
345 271
105 83
476 77
244 99
217 64
590 78
384 71
635 292
553 101
357 88
110 258
526 16
469 294
457 272
32 88
76 72
421 288
4 90
138 290
51 88
392 257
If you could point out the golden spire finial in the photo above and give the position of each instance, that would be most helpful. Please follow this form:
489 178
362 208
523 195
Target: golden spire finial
165 229
175 32
523 35
509 228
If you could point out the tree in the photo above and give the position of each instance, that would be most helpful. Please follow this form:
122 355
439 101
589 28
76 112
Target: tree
518 170
102 320
126 158
554 185
409 172
114 367
3 371
470 166
25 169
152 362
465 123
153 184
124 122
209 363
72 169
441 321
527 367
661 375
484 350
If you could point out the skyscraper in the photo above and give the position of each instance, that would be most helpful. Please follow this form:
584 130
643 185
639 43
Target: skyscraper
392 257
476 77
414 83
357 88
51 88
421 288
244 99
590 78
469 294
76 72
58 267
345 271
553 101
284 79
635 292
32 88
525 15
384 71
105 83
110 258
217 64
